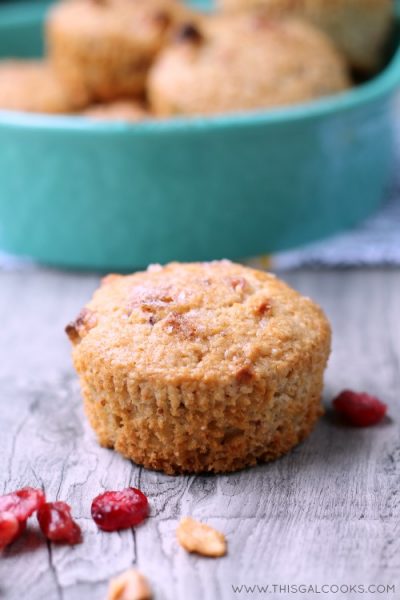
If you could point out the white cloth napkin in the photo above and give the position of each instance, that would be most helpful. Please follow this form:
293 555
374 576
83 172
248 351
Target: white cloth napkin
374 242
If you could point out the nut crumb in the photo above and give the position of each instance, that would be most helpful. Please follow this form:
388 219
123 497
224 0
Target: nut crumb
84 322
245 374
130 585
181 325
198 537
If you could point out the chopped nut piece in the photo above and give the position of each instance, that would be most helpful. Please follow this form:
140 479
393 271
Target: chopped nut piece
84 322
181 325
245 374
130 585
200 538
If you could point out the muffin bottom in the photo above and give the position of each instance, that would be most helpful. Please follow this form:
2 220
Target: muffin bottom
188 429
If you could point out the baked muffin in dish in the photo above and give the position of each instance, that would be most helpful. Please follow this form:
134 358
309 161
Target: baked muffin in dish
118 110
103 49
32 86
360 28
200 367
242 62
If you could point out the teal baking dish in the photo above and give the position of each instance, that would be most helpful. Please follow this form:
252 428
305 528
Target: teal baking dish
114 196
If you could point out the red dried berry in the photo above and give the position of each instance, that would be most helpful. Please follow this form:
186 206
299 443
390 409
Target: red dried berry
57 524
9 529
22 504
360 409
112 511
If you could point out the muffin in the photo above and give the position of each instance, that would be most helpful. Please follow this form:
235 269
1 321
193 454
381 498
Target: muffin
32 86
103 49
119 110
359 27
241 62
200 367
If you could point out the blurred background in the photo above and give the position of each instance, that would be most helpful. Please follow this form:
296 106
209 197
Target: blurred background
296 181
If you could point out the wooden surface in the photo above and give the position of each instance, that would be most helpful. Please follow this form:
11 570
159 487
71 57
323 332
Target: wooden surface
329 513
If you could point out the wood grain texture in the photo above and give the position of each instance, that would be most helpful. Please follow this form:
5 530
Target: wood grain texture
327 513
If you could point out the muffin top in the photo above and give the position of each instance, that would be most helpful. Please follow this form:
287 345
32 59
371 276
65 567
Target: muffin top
32 86
245 61
359 27
320 5
213 321
143 22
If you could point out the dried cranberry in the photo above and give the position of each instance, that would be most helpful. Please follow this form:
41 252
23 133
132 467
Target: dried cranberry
360 409
112 511
57 524
22 503
9 528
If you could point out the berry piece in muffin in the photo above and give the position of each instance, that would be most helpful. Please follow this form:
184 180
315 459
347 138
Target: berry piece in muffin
200 367
243 62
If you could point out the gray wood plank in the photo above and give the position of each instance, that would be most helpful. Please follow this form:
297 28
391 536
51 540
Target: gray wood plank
327 513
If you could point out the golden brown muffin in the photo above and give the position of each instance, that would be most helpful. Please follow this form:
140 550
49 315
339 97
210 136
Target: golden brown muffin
242 62
32 86
360 28
119 110
200 367
103 48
